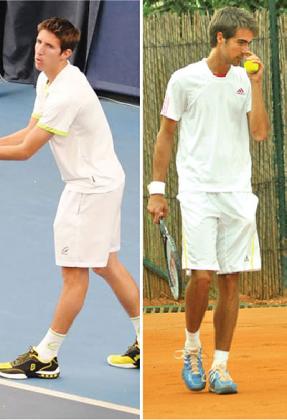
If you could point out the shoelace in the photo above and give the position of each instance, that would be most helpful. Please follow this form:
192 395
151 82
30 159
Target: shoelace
192 356
23 357
132 348
223 373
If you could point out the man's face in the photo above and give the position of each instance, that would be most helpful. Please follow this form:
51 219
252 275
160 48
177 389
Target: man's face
236 48
48 55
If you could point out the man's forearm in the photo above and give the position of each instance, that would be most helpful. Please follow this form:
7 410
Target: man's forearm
162 156
19 136
13 152
15 138
258 120
157 204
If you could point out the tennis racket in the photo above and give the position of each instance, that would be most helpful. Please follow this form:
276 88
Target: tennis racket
172 261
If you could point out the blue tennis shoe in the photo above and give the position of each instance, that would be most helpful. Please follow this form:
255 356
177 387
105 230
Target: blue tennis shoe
193 373
220 382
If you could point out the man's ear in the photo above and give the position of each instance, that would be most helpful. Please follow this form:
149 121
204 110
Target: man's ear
219 37
67 53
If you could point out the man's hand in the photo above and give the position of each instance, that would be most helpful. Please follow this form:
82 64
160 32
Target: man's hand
255 77
157 207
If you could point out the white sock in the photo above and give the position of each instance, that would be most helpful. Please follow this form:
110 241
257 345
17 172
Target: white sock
48 348
136 324
192 340
220 357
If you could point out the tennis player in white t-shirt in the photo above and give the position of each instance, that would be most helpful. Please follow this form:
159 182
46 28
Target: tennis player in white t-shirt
216 104
68 114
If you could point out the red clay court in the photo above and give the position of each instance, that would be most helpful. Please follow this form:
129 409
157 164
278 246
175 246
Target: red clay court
257 363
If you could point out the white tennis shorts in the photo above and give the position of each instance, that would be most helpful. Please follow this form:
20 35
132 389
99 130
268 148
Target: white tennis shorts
219 232
87 228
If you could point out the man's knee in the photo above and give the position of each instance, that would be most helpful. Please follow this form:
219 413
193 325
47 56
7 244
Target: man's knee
75 277
101 271
112 266
201 278
229 284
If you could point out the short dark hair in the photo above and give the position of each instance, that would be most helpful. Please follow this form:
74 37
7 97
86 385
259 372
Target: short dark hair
64 30
228 20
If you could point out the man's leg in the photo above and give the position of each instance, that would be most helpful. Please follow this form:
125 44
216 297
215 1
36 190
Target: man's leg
196 302
127 292
226 312
122 283
196 299
75 286
41 361
71 300
225 318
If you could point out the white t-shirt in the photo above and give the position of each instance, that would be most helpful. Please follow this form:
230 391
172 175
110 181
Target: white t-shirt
213 151
82 143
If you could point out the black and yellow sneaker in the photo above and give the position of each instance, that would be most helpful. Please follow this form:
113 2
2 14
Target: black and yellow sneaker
129 360
29 365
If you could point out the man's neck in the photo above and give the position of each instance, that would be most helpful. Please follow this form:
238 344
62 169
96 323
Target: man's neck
52 74
216 64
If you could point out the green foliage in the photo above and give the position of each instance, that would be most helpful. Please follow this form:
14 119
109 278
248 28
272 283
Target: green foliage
185 6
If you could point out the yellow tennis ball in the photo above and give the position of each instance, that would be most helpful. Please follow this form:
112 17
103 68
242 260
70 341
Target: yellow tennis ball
251 67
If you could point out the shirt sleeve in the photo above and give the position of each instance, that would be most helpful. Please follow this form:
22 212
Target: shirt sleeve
58 114
175 102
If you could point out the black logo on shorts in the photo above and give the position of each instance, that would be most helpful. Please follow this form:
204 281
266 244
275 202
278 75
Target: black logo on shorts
65 250
246 259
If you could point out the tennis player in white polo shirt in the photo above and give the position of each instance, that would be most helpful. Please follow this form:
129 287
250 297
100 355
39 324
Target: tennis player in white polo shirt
216 104
68 114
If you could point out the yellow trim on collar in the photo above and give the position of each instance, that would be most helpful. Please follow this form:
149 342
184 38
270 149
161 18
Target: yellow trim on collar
36 116
52 130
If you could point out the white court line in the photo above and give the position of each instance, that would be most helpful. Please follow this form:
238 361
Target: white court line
104 98
71 397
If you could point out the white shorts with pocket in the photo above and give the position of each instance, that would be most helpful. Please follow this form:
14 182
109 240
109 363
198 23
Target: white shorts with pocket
219 232
87 228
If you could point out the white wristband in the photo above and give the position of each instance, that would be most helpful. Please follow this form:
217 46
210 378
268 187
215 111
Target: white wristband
156 187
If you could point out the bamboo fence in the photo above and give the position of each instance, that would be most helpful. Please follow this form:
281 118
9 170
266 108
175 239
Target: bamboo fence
171 42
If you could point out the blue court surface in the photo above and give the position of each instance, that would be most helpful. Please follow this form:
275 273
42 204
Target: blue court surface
30 281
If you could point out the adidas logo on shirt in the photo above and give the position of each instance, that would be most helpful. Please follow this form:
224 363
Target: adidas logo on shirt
240 91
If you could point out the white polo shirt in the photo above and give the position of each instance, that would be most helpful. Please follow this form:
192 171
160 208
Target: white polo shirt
82 143
213 151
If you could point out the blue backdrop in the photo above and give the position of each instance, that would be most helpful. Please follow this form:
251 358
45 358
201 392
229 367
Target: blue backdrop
108 52
113 63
